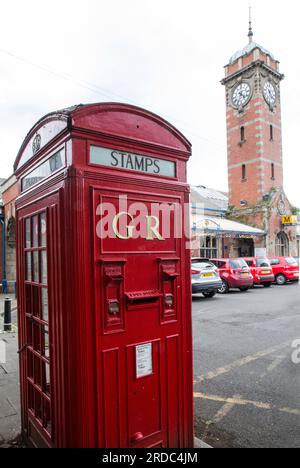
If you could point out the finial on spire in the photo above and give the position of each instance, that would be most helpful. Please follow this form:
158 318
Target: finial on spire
250 33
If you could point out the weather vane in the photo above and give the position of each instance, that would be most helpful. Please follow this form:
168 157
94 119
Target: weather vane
250 33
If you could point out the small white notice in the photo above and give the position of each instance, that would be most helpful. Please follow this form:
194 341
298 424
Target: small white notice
143 360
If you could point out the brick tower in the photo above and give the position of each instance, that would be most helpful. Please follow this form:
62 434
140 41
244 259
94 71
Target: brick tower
254 137
252 82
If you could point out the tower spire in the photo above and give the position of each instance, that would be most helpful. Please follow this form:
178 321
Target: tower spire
250 33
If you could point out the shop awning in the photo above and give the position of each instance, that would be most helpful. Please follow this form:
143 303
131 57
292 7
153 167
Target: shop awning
206 225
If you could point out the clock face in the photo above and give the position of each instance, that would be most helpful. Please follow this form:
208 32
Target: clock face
241 94
270 93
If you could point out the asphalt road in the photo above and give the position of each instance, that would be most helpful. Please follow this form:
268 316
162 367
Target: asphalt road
247 388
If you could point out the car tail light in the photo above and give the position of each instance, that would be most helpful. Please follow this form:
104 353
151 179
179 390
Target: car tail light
195 272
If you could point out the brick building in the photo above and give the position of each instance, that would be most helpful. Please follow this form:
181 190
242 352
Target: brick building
254 135
2 235
10 192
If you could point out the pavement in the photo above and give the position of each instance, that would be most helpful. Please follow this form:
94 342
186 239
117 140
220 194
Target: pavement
9 379
246 383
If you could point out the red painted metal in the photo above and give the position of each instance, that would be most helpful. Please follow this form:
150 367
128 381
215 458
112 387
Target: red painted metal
109 301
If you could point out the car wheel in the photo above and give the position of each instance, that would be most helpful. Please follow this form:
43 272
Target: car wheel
224 289
246 288
281 280
267 285
209 293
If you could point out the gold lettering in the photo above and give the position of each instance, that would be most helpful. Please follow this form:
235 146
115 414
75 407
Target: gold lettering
129 228
153 230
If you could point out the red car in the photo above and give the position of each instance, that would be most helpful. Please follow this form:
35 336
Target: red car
285 269
234 273
261 270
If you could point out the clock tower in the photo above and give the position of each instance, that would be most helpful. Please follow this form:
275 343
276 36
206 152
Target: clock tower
254 139
252 82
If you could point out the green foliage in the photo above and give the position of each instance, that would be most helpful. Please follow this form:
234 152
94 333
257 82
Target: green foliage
295 210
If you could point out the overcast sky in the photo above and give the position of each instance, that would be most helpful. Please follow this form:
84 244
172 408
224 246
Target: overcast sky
164 55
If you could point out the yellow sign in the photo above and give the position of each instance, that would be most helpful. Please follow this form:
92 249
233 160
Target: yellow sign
289 220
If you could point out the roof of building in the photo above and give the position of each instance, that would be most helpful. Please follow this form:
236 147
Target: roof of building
210 198
211 224
247 50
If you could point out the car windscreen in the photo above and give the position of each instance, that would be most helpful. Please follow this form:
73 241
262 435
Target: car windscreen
275 261
291 261
238 263
203 266
262 262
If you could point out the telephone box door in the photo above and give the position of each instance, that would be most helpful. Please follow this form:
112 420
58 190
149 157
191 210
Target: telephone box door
139 319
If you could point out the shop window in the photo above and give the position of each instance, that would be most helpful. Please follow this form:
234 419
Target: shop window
208 247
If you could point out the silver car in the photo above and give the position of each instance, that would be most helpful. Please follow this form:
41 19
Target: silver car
205 278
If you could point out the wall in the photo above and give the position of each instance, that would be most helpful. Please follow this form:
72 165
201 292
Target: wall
9 195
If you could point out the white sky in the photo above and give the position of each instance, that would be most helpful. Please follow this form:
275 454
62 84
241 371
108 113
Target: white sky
164 55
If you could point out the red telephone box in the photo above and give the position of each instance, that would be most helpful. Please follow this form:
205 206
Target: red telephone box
104 295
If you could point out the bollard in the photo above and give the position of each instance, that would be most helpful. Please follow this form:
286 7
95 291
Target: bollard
7 314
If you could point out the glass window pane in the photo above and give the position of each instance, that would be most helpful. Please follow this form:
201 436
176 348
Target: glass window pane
35 231
36 267
46 416
28 266
30 397
46 350
43 230
46 378
30 364
28 233
36 338
45 315
44 267
38 404
37 371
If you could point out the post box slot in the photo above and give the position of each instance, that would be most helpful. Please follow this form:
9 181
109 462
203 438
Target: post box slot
142 296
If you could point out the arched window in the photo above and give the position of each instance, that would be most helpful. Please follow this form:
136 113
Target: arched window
282 245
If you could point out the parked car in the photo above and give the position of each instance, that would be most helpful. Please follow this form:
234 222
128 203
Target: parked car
285 269
205 278
261 271
234 273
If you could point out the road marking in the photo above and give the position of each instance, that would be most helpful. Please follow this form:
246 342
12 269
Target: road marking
242 402
277 361
241 362
222 413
